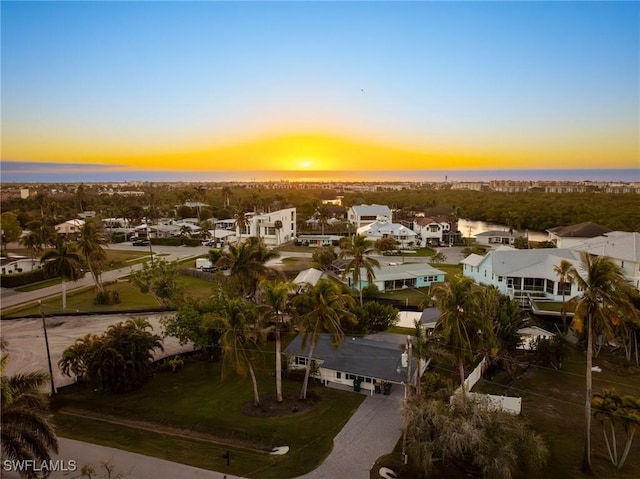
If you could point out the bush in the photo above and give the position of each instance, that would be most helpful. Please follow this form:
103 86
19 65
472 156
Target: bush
178 241
20 279
107 297
370 291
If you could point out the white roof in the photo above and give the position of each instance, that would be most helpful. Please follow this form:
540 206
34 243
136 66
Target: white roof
220 234
533 263
310 276
402 271
371 210
473 260
380 228
496 233
535 331
620 245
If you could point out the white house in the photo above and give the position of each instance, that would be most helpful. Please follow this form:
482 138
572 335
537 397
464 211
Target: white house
383 228
432 231
361 215
530 335
622 247
573 235
495 237
18 264
519 271
163 231
357 362
263 225
69 227
319 240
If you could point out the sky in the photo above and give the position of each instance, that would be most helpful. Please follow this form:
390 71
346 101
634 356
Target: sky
244 86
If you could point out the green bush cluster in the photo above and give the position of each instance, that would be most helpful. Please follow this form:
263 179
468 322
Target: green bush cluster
20 279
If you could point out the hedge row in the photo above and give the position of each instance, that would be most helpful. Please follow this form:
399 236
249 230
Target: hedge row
175 241
20 279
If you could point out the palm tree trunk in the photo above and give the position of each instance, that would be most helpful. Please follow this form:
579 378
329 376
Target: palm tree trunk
278 365
303 393
627 447
256 397
586 457
64 295
461 371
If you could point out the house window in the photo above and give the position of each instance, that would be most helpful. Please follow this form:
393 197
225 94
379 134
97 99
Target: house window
567 288
549 286
368 380
499 279
300 361
338 375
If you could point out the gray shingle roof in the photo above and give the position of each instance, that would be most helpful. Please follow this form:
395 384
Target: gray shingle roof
581 230
360 356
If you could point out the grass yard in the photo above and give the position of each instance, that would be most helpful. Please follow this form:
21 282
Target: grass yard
409 297
197 400
131 299
451 270
553 401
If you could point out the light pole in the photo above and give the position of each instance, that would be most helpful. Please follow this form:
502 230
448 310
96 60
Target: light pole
46 342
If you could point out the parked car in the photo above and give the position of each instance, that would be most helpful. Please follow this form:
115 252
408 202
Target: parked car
140 242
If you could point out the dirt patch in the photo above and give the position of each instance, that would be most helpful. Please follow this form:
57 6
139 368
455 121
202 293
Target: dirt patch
270 407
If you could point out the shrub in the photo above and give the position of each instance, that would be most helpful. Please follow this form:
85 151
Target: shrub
107 297
20 279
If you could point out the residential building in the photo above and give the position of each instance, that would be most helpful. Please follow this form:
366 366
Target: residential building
573 235
69 227
319 240
263 225
518 272
400 276
18 264
622 247
357 362
383 228
433 231
361 215
495 237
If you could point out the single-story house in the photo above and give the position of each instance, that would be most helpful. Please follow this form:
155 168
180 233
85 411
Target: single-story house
163 231
495 237
401 276
531 334
573 235
319 240
516 272
69 227
18 264
309 276
368 362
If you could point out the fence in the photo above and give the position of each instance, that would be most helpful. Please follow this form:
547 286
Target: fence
508 404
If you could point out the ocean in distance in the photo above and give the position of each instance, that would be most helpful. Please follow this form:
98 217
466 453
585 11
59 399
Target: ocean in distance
27 172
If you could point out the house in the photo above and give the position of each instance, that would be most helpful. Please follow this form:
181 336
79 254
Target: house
366 362
516 272
383 228
361 215
495 237
69 227
163 231
531 335
263 225
401 276
309 276
433 231
18 264
622 247
319 240
573 235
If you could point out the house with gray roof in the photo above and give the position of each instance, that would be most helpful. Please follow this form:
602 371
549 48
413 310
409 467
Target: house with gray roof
361 215
383 228
495 237
573 235
369 362
517 272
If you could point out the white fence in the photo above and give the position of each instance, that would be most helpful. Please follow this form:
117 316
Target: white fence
512 405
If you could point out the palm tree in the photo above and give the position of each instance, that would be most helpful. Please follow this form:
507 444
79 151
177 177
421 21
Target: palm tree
241 223
33 242
563 271
605 294
240 339
90 241
456 324
320 308
226 195
26 432
323 215
276 300
62 262
358 250
278 226
246 263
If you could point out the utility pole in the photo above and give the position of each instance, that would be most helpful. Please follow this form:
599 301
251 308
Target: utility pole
405 457
46 342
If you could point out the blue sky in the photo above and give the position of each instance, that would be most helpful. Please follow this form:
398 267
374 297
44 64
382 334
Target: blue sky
473 84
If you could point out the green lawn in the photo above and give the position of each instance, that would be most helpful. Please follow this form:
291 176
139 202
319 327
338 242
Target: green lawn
39 285
418 252
197 400
553 401
130 299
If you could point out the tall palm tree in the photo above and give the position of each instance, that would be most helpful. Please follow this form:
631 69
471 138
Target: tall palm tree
26 432
321 308
241 223
90 241
563 272
457 322
605 294
359 250
277 224
226 195
62 262
323 214
276 300
240 339
33 242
